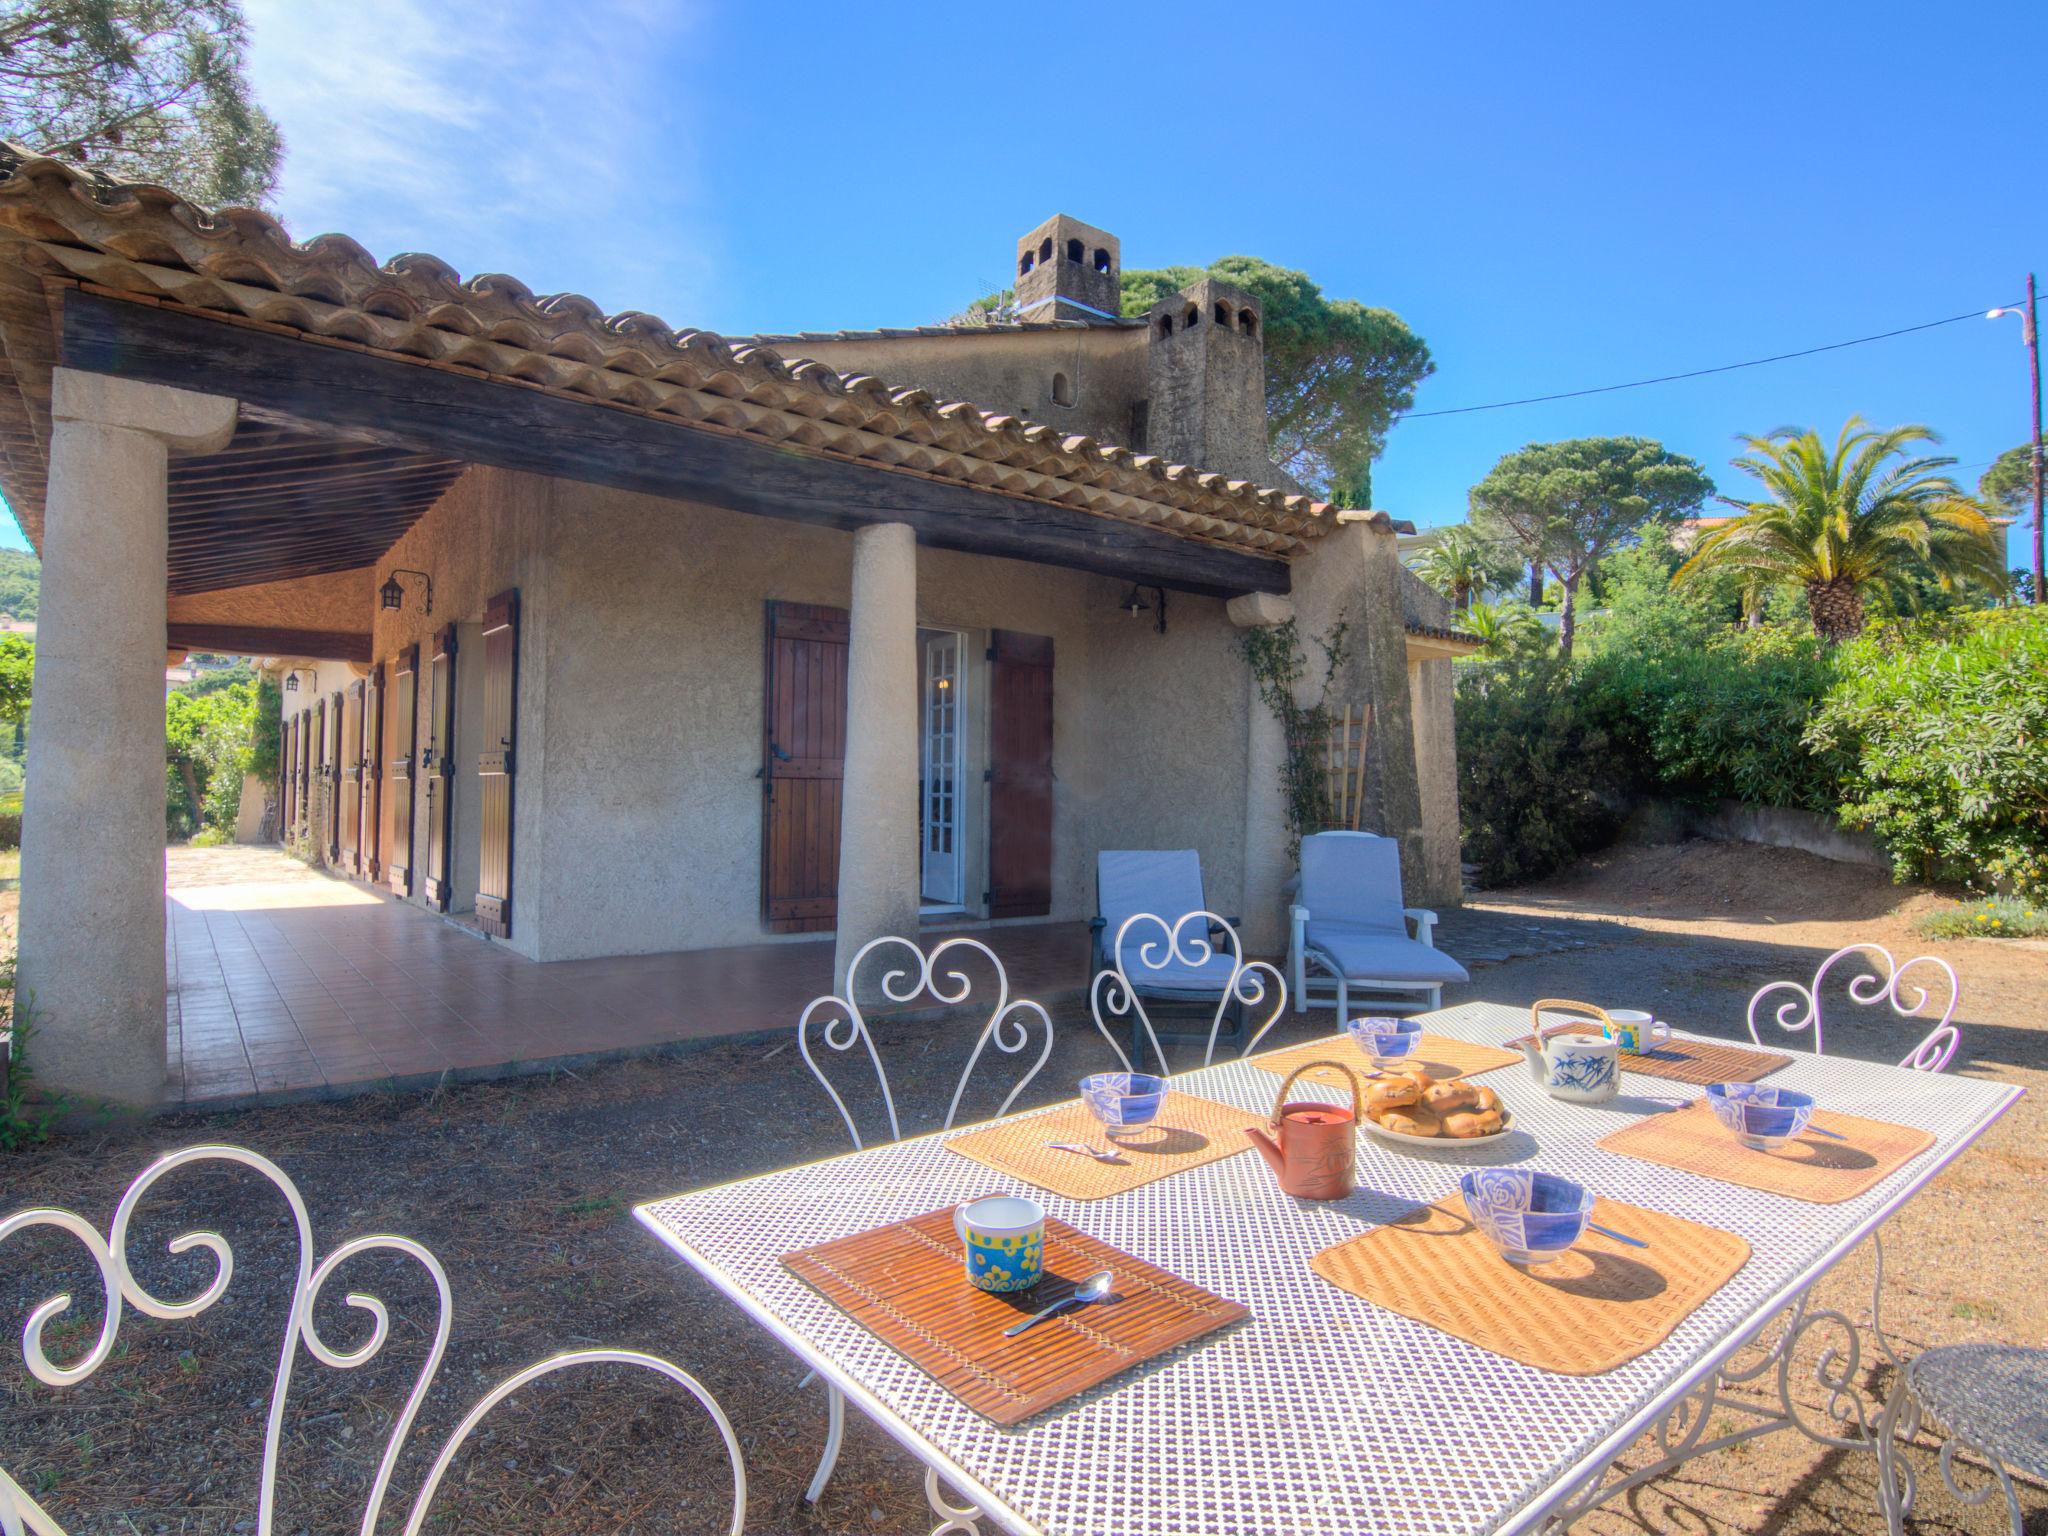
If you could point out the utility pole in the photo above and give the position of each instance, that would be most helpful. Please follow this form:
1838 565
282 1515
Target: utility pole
2030 334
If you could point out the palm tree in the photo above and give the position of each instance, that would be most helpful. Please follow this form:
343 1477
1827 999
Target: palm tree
1866 514
1501 628
1460 566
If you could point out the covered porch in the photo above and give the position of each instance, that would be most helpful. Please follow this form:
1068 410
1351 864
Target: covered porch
284 982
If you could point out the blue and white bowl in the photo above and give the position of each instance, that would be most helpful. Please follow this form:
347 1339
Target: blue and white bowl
1531 1217
1759 1116
1386 1041
1123 1101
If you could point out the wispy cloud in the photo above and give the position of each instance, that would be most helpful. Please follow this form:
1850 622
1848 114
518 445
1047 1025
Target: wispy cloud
552 141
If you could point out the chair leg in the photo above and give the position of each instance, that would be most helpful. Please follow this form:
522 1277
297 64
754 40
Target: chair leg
835 1431
1343 999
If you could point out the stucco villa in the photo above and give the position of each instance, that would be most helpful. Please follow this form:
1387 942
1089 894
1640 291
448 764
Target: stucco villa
607 639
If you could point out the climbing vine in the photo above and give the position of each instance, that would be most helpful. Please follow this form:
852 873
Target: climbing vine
1279 663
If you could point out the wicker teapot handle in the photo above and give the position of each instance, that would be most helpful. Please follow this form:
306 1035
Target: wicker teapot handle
1357 1093
1539 1007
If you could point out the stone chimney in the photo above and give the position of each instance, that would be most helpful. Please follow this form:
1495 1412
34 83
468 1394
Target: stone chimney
1207 367
1067 270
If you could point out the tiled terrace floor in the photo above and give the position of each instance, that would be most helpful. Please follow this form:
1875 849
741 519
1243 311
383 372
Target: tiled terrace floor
283 982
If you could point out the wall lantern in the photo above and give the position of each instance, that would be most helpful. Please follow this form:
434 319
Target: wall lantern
1136 603
392 593
291 678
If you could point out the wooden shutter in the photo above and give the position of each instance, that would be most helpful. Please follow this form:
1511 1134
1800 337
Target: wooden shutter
803 758
439 763
288 787
405 731
303 809
1020 775
370 866
352 780
495 764
316 774
333 771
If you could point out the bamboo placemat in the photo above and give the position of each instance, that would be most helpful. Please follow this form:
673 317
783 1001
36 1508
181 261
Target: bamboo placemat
1595 1307
1189 1132
905 1284
1688 1061
1440 1055
1812 1168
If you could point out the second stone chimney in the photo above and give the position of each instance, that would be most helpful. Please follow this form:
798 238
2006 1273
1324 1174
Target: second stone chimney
1067 270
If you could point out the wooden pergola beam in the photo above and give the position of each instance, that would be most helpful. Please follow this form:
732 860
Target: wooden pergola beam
439 411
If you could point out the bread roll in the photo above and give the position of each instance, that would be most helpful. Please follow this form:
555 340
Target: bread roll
1445 1097
1487 1099
1413 1120
1467 1123
1390 1093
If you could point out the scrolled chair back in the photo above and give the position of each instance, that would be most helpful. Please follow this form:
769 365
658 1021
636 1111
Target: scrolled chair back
21 1515
839 1023
1802 1009
1185 955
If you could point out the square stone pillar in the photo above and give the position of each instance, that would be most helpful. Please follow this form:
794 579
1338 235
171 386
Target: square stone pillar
92 842
878 810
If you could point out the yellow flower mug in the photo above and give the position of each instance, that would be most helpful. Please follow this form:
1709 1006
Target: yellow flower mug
1004 1238
1634 1030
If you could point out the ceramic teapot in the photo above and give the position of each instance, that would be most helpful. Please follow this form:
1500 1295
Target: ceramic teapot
1312 1147
1576 1068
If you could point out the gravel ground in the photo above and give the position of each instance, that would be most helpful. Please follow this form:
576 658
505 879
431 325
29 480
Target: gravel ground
523 1190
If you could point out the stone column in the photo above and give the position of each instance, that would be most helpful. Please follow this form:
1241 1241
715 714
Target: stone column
92 843
878 814
1266 867
1353 575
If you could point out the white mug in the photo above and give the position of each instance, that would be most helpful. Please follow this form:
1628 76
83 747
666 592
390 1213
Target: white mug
1634 1030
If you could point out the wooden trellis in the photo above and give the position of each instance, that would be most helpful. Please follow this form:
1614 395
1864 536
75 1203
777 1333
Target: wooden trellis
1344 767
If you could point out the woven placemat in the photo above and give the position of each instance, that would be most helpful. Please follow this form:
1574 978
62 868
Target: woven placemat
1440 1055
1813 1168
905 1283
1687 1061
1595 1307
1189 1132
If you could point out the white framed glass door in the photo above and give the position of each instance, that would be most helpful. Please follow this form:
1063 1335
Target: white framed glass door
943 871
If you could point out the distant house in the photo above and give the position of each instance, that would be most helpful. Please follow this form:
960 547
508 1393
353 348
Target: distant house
610 638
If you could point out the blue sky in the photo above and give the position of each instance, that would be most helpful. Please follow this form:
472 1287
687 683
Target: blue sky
1554 197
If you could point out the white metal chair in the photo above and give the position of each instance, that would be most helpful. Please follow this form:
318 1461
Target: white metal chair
1802 1010
1171 957
844 1026
1347 923
20 1514
1992 1399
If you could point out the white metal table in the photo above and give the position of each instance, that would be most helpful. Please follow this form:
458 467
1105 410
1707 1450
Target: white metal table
1326 1413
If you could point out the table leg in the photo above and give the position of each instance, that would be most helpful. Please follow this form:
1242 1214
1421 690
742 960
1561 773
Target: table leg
835 1431
954 1519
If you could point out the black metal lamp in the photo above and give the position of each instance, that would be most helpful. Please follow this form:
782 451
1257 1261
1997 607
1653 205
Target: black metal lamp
392 593
291 678
1135 603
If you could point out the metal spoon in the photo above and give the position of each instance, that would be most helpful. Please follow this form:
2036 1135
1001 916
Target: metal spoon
1075 1146
1094 1288
1815 1130
1619 1237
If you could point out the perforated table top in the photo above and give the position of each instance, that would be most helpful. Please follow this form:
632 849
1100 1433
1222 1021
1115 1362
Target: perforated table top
1324 1413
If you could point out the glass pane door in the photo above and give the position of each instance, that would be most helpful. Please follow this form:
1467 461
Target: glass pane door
942 852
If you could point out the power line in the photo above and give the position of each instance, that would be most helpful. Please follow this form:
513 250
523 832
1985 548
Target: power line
1697 373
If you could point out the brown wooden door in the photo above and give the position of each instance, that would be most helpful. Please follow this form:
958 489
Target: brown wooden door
370 865
303 827
305 744
352 780
803 758
495 764
1020 775
439 764
405 731
333 767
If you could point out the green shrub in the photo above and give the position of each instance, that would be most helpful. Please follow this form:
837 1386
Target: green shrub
213 837
1943 727
1996 917
1722 718
1538 780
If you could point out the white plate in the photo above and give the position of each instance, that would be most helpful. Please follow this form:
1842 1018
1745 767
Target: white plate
1443 1143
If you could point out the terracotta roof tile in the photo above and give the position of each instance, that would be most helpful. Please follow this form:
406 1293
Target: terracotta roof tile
61 226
